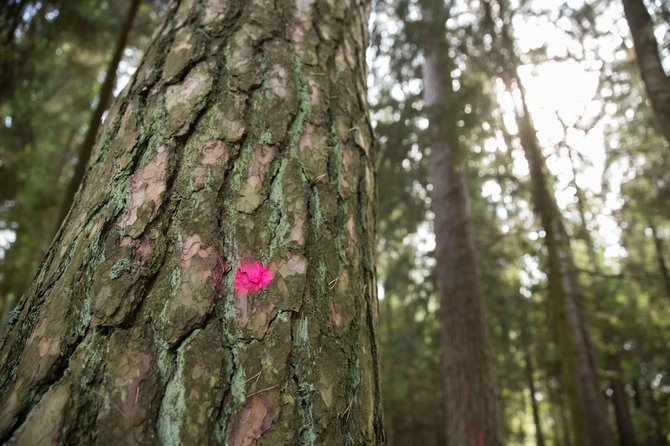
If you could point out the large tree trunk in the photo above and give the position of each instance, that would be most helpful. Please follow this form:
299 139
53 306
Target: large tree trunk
214 281
656 82
472 412
587 407
105 95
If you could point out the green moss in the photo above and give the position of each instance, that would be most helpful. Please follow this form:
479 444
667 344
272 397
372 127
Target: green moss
304 107
315 215
302 332
279 221
121 266
238 388
266 137
173 406
322 279
335 158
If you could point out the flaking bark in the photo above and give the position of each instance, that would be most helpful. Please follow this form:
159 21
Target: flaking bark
243 136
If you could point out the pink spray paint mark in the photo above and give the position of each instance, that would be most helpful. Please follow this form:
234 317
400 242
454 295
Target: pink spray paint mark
252 276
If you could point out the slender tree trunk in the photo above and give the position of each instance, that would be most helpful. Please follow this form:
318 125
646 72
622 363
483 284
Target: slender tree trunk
620 402
565 433
587 407
660 258
623 422
581 209
104 97
589 417
530 378
214 282
472 412
656 82
11 12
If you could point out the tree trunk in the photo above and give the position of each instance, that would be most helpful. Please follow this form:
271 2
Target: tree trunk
620 402
660 258
623 422
539 436
581 209
472 412
214 281
11 12
104 97
587 407
656 82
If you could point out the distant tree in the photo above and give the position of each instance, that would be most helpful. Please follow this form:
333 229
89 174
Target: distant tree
214 281
656 81
471 394
104 97
590 424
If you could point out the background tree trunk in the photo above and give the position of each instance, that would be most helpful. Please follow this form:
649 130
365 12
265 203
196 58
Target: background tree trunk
660 258
105 95
620 402
471 395
656 82
587 408
243 137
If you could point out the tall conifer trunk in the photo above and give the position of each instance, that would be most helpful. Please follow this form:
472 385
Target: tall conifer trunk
214 280
588 414
587 408
472 412
656 81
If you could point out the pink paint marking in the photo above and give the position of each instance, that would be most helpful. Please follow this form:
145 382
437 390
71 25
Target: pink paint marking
252 276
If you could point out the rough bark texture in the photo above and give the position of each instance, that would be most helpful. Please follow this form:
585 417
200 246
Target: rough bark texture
471 395
243 137
106 90
656 82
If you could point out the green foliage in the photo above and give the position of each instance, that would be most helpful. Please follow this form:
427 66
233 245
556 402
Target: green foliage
55 60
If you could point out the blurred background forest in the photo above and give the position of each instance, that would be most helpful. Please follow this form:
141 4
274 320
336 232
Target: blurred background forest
550 105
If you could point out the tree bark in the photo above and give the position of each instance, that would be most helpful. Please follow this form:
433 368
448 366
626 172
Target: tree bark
656 82
106 90
471 395
214 282
587 407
